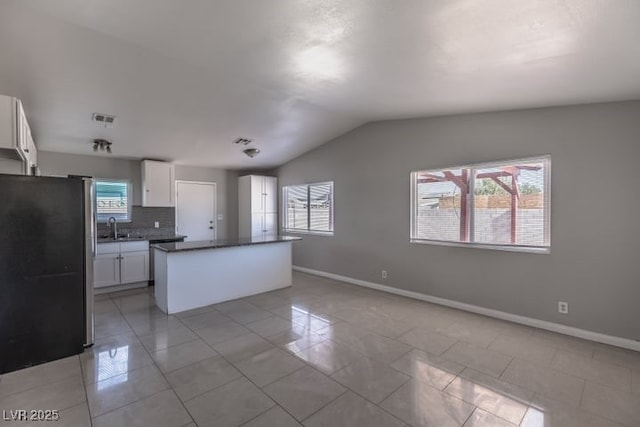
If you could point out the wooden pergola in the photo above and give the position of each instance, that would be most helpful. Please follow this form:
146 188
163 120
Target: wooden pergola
462 182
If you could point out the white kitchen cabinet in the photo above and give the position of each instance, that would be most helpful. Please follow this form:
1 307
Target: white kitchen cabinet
106 270
31 153
121 263
158 184
270 223
270 186
134 267
16 141
257 205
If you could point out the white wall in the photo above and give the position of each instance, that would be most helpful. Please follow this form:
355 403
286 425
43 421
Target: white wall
594 262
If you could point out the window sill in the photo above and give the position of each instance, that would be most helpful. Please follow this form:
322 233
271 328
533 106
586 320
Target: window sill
311 232
506 248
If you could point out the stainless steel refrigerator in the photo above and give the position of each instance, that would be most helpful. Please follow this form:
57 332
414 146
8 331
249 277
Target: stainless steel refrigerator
47 243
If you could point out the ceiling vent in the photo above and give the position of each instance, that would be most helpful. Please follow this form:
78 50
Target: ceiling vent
104 119
243 141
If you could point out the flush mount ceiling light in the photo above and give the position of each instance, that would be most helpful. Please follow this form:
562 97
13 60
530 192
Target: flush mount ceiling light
102 144
251 152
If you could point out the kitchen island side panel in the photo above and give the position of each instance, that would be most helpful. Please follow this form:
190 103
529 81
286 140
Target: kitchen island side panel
199 278
160 274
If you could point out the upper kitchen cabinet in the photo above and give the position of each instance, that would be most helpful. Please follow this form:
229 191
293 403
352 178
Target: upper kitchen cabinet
257 205
158 184
16 141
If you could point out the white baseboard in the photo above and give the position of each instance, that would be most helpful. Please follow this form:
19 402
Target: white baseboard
116 288
529 321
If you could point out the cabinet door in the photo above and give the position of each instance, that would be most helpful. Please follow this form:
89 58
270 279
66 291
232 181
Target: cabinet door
106 270
257 194
23 129
32 153
158 182
270 194
270 223
134 267
257 224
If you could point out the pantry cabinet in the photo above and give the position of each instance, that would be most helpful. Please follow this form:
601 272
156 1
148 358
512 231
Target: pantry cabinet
257 205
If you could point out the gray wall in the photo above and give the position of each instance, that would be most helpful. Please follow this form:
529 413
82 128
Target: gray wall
594 262
11 166
110 167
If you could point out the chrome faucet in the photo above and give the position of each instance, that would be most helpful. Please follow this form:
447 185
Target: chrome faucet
113 227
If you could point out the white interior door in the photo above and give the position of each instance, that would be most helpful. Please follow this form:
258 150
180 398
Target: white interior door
196 210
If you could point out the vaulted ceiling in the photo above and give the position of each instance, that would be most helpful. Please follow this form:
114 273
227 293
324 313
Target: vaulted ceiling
186 78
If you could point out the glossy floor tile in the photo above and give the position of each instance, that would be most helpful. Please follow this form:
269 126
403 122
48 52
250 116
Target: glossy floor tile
545 381
324 353
428 368
420 404
370 379
230 405
275 416
429 341
354 411
200 377
304 392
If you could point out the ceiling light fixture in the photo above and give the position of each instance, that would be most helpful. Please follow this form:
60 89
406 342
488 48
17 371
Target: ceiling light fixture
243 141
251 152
102 144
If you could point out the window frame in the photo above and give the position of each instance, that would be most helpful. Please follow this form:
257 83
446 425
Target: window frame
100 220
308 230
545 159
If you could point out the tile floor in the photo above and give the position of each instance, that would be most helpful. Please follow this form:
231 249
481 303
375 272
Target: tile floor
324 353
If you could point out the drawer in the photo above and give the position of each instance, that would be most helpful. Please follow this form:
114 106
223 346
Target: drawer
137 246
108 248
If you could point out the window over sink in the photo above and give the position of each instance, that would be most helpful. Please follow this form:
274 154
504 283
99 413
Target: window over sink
113 199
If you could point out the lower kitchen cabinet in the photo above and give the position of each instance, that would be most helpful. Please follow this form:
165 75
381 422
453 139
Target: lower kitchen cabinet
121 263
106 270
134 267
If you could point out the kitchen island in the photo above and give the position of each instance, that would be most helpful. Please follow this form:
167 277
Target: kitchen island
190 275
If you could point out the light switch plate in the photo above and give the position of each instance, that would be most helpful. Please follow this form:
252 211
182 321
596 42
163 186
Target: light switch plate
156 224
220 217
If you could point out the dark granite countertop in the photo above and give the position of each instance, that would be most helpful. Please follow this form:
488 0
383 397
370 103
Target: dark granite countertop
222 243
152 239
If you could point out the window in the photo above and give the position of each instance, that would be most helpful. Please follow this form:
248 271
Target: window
308 208
501 205
113 199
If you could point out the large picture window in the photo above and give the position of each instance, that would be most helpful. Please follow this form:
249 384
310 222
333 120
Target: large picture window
113 199
502 205
308 208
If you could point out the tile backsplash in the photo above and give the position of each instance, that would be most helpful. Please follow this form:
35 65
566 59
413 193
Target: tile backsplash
142 222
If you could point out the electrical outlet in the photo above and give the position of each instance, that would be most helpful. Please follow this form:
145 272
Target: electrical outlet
384 274
563 307
156 224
